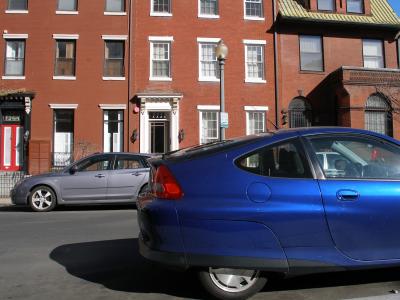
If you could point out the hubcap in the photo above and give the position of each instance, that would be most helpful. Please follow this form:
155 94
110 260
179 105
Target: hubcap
42 199
233 280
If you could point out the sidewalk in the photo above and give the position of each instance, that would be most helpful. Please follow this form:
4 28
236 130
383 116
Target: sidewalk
5 201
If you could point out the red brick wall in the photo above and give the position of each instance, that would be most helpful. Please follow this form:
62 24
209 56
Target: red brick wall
88 90
186 27
340 49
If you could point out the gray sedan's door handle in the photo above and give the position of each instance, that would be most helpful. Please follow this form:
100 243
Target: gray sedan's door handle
100 176
137 174
347 195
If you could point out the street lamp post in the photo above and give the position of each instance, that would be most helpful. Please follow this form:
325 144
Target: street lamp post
222 52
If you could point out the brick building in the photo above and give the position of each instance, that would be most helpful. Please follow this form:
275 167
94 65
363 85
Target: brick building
141 75
339 64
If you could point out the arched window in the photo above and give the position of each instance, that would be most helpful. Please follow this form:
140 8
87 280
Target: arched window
378 115
299 113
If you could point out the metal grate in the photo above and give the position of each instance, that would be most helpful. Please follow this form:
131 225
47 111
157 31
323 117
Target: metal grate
8 180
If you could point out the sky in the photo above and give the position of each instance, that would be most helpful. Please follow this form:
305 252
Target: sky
396 6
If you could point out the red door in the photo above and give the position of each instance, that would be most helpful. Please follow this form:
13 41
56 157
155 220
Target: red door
10 147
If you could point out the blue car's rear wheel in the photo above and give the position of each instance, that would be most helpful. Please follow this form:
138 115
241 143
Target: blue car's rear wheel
42 199
232 284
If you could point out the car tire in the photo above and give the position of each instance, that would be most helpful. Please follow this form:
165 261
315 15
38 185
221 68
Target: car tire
219 284
42 199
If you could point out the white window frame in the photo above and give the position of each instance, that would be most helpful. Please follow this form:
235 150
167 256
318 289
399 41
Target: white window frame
17 11
383 58
207 16
117 107
208 108
200 42
72 137
255 109
321 40
246 17
160 14
262 44
160 39
67 12
15 36
115 13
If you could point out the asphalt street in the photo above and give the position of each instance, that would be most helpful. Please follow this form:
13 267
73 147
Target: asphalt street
91 253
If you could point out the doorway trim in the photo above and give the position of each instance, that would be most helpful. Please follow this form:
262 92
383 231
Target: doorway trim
159 102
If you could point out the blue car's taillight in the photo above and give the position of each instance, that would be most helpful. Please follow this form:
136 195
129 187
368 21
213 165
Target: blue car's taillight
165 185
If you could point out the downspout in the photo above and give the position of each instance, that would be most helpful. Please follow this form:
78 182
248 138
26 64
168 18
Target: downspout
276 67
129 72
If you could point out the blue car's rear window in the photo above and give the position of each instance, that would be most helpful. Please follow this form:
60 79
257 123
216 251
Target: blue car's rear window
215 146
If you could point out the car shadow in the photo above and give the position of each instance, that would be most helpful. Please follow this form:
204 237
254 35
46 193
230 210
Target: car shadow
117 265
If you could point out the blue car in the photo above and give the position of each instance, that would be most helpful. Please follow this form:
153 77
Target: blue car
242 210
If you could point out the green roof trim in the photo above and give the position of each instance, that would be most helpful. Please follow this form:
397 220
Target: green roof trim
382 14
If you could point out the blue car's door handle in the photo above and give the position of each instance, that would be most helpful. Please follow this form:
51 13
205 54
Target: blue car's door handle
347 195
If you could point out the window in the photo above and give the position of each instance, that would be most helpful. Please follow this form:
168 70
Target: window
126 162
67 5
160 60
373 54
254 60
328 5
355 6
253 9
161 7
300 113
282 160
15 58
113 130
311 54
208 64
209 127
115 6
96 163
63 143
208 8
378 115
114 59
358 157
255 121
65 58
17 5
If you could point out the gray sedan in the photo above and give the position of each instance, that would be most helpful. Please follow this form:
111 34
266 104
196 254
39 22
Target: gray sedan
98 178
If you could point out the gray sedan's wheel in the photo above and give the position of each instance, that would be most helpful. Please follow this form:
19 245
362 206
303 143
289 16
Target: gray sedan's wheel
232 284
42 199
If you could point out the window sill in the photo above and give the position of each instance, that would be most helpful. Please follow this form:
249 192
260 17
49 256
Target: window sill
202 79
64 77
154 14
254 18
115 13
208 16
160 79
250 80
16 11
312 72
66 12
113 78
11 77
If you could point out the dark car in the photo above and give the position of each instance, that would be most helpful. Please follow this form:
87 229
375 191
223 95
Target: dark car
241 210
98 178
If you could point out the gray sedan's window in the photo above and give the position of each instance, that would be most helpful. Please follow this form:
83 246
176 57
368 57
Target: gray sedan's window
94 164
358 157
128 163
281 160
